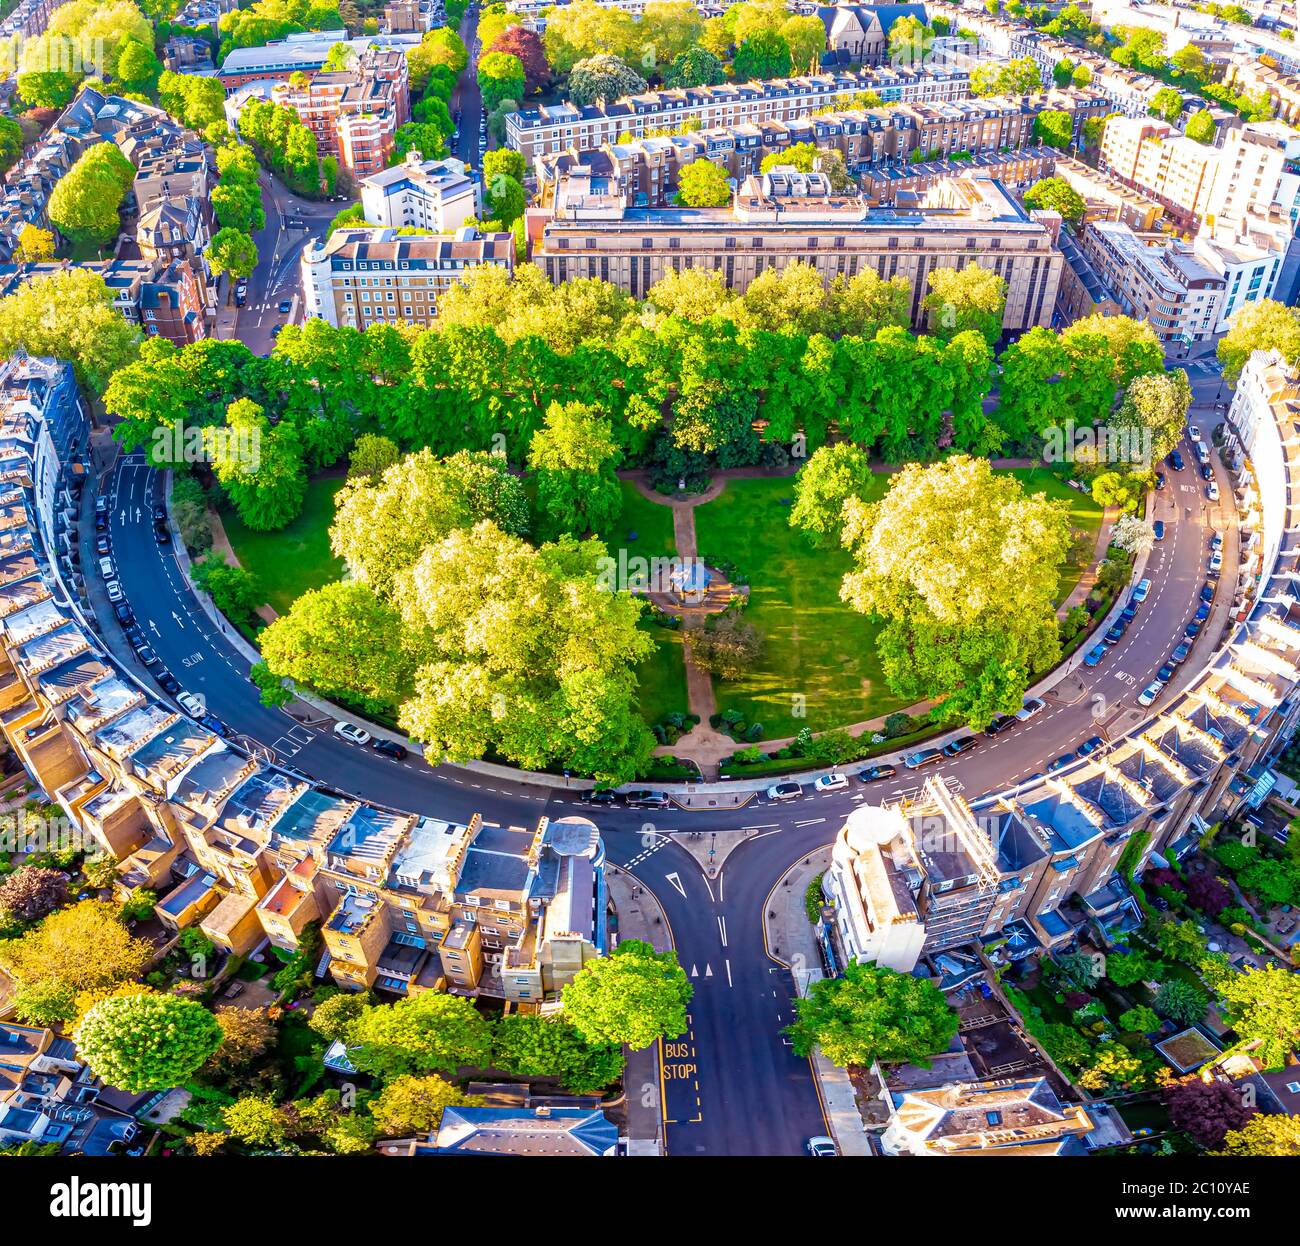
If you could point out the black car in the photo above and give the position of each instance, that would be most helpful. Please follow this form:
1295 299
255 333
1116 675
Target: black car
123 613
159 513
1193 629
1160 480
135 638
1207 473
642 799
1202 612
101 523
1207 592
389 748
214 724
1165 673
1090 746
872 773
1061 762
167 681
999 725
147 656
599 796
1179 655
963 744
1175 460
286 305
1116 634
162 536
1129 613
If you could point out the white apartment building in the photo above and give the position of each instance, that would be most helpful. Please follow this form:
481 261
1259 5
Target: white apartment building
439 195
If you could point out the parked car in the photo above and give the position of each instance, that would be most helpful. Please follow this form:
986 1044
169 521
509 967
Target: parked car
1165 673
241 293
1140 591
962 744
1207 592
162 536
106 569
1216 543
599 796
390 748
1128 614
1202 453
1158 529
123 612
192 705
101 506
1206 473
1059 763
1032 707
1212 491
785 791
159 513
147 656
1090 746
1179 655
822 1146
1193 629
999 725
643 798
215 725
873 773
1175 460
1215 564
830 782
1194 433
353 735
101 523
1148 694
922 757
101 544
1116 634
1095 655
1202 612
1160 480
167 681
286 305
135 637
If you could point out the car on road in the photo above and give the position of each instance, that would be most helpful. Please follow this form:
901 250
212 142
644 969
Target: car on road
275 330
106 569
101 545
1090 746
599 796
1193 629
1128 614
123 612
285 306
101 522
1095 655
1158 529
1165 673
191 704
873 773
999 725
1179 655
1207 592
1202 612
390 748
1148 694
166 680
1207 473
1216 543
1116 634
353 735
241 293
922 757
1212 491
1202 452
115 593
1032 707
1215 565
147 656
784 791
135 637
1175 460
822 1146
1160 480
101 506
643 798
1194 433
215 725
162 536
159 512
1140 591
830 782
1059 763
962 744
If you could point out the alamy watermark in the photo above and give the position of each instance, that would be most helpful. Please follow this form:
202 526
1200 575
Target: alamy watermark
193 443
1126 444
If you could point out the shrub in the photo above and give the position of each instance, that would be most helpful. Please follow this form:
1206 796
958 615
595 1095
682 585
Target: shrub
897 724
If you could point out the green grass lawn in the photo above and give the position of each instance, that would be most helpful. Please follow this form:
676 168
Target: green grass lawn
1085 515
643 528
297 558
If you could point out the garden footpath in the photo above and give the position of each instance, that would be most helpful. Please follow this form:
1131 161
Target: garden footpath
704 744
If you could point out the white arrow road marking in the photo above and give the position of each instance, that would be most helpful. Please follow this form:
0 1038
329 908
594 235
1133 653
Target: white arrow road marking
676 882
708 971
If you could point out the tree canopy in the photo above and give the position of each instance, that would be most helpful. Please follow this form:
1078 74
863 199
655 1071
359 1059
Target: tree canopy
633 996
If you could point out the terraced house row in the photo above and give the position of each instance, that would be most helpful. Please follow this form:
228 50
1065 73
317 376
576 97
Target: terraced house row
943 870
246 852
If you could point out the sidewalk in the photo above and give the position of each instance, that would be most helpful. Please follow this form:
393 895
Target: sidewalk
791 938
637 910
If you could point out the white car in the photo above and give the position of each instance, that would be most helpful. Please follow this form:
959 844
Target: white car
193 705
1032 707
1148 694
831 782
106 569
1212 491
1193 432
822 1146
1216 563
1140 591
353 735
115 593
784 791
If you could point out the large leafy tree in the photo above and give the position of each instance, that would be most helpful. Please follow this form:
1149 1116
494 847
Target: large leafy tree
825 482
438 47
1181 1002
424 1033
765 54
873 1014
232 251
1264 1005
1206 1111
11 143
1156 403
697 67
806 39
1054 128
962 566
603 77
85 203
381 527
703 184
633 996
530 1045
147 1042
528 654
343 641
1057 195
573 455
259 466
196 101
967 298
519 41
500 77
31 893
1264 1135
414 1105
1266 325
